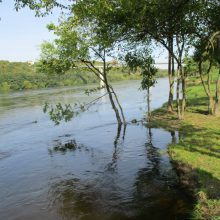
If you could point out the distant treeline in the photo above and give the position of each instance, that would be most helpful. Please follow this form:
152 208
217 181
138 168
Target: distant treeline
24 75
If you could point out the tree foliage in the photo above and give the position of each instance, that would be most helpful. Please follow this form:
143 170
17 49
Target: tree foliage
185 22
92 28
41 7
141 60
77 45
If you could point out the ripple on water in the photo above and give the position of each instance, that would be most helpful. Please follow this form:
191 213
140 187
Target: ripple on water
87 169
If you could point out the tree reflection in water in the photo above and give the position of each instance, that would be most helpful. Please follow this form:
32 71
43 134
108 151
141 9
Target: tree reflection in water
155 192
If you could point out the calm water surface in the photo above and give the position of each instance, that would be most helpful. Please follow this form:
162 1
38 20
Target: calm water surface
86 169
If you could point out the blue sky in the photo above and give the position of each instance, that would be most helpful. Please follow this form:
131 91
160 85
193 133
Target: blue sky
21 34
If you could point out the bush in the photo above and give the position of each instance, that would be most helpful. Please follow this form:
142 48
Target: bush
5 87
27 85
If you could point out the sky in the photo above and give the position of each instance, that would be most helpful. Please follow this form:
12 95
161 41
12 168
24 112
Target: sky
21 34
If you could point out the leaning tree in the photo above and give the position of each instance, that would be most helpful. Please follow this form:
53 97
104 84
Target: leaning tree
171 24
77 46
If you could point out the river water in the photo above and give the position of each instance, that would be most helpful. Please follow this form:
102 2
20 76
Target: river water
85 169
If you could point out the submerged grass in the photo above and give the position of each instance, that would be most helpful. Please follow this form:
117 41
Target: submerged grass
196 155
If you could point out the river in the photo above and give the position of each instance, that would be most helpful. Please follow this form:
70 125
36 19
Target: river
84 169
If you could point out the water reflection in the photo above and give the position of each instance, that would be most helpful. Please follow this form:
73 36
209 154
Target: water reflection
87 168
156 188
112 166
74 199
111 193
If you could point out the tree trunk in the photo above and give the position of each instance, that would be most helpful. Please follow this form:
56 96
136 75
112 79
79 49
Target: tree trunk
207 87
178 95
109 90
183 103
180 40
148 104
217 109
113 103
171 76
119 105
111 98
211 106
217 96
117 136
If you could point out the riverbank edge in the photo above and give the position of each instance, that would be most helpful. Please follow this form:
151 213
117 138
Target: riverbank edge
191 178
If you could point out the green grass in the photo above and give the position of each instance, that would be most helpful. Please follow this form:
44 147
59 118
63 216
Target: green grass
197 154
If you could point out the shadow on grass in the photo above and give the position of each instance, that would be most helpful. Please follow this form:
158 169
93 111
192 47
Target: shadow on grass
204 187
203 180
200 111
201 140
197 101
203 137
195 105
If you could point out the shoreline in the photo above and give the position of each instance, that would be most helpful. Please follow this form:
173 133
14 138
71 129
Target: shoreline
196 157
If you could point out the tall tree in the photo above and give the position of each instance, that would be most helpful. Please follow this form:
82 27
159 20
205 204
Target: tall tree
207 53
78 46
172 24
154 20
207 49
141 60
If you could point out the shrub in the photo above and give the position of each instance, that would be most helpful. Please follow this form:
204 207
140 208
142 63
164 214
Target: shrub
27 85
5 87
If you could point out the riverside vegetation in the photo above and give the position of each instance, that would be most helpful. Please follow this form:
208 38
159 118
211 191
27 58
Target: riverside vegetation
21 76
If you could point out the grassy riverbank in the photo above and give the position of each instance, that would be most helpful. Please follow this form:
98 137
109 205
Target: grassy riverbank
197 153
